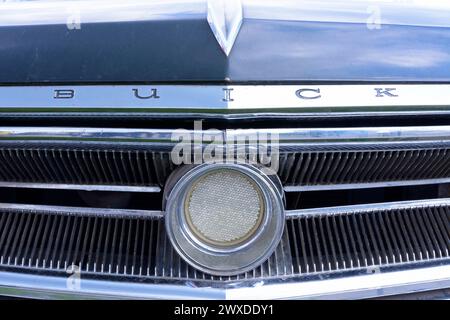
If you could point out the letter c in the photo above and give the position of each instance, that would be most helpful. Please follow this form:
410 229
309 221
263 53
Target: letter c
303 94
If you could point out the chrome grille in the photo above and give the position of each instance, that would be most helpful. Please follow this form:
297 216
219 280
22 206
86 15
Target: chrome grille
343 240
112 243
344 167
95 167
298 169
104 244
132 244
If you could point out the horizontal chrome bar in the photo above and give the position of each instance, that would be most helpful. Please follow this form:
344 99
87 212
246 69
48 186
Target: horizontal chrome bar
84 211
85 134
290 214
365 185
362 208
365 134
352 287
231 99
285 136
357 287
266 114
82 187
48 287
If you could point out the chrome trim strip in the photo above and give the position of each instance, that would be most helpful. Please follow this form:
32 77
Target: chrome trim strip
365 134
290 214
362 208
83 187
84 211
304 114
44 287
226 98
85 134
384 184
286 136
358 287
355 287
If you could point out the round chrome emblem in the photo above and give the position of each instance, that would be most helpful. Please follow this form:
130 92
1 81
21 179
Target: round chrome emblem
224 219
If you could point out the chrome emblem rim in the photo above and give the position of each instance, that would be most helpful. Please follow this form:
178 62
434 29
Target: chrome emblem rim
233 258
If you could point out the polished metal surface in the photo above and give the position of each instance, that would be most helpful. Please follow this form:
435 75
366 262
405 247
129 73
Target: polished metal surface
50 287
369 236
85 134
84 211
225 20
285 136
369 207
102 167
133 244
359 167
437 294
140 160
83 187
368 185
406 237
357 287
231 99
225 260
106 242
399 65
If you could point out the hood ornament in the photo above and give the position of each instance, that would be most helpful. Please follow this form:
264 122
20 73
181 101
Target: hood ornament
225 19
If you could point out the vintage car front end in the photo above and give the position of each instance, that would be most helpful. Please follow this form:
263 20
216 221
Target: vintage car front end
224 149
